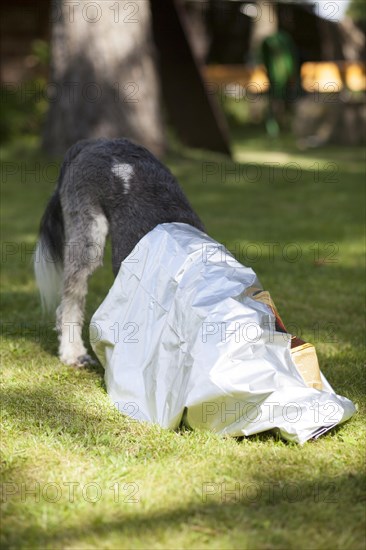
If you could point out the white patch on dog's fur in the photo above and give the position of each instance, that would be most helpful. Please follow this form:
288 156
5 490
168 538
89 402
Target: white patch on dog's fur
125 173
98 235
48 276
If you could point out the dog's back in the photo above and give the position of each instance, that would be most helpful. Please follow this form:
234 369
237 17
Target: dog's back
105 187
129 186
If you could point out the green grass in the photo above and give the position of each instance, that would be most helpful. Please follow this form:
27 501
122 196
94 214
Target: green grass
136 485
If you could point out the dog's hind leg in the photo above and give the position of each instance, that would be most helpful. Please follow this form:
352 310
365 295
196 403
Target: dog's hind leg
85 237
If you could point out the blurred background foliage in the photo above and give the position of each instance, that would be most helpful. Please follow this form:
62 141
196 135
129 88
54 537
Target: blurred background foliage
24 107
224 37
357 11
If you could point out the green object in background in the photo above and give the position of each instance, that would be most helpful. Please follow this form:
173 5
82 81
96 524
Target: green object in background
280 59
272 126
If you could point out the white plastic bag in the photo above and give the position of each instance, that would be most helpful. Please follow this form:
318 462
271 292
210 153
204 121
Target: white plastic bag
179 339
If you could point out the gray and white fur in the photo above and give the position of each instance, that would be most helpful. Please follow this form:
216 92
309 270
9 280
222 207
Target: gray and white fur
105 187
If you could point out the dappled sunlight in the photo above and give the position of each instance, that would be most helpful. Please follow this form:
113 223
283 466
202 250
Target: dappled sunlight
62 429
305 161
288 202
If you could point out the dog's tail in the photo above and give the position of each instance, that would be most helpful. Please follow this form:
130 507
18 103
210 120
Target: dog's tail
48 259
49 255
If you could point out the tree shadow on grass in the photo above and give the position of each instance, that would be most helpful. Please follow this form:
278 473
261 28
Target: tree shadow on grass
22 324
252 512
45 409
262 513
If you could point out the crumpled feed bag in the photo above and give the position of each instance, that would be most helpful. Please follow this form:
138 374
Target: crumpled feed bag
181 341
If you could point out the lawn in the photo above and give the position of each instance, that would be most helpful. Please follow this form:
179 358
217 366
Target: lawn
76 474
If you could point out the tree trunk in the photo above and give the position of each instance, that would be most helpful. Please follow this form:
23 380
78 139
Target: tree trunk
194 113
104 81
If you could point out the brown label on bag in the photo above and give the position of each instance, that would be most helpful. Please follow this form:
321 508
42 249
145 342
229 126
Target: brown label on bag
306 361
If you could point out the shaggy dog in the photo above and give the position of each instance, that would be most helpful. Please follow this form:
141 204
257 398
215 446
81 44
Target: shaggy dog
105 187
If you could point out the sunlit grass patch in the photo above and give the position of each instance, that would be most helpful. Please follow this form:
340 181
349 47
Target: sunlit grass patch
77 474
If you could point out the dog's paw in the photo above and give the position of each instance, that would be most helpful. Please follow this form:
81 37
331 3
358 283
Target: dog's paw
85 360
80 361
